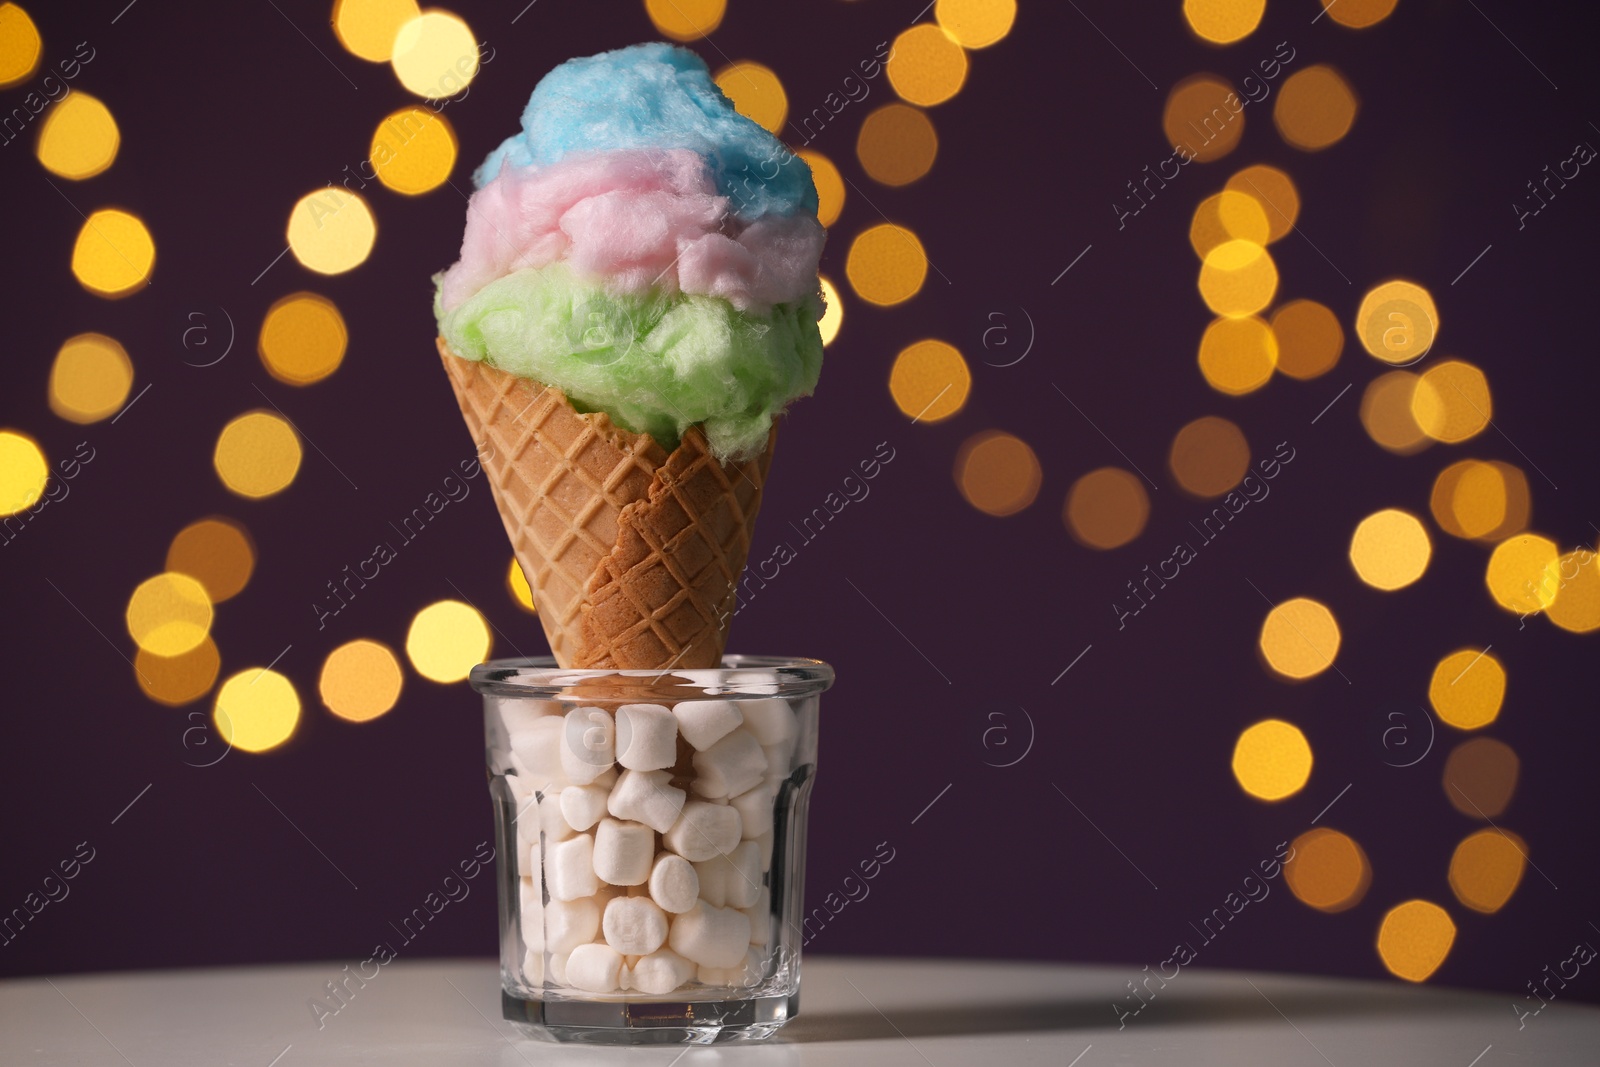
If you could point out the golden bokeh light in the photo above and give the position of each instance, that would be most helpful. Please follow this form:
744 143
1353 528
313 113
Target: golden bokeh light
1209 456
1390 549
446 640
1276 193
517 584
1358 14
23 472
1386 413
756 92
1238 278
1518 573
114 253
926 66
19 46
1480 777
90 378
1414 939
1316 108
1452 401
1397 321
1106 508
302 339
178 680
169 614
1238 355
367 28
897 144
1300 638
1198 119
830 185
1486 869
215 552
1272 760
686 20
256 710
1576 578
1227 216
832 312
331 230
79 138
997 473
1327 870
1481 501
886 264
976 23
257 454
413 150
929 381
1467 688
1223 21
360 680
1310 339
435 54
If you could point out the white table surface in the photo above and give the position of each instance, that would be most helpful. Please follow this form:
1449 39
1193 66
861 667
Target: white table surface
854 1011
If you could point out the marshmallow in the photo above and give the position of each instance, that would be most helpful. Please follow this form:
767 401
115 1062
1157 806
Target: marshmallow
674 884
647 797
729 767
770 721
760 916
634 926
588 744
595 968
533 967
755 810
711 937
530 913
747 972
647 737
660 972
520 713
550 821
765 841
584 805
622 852
780 757
705 722
733 880
557 969
536 750
704 830
570 923
569 868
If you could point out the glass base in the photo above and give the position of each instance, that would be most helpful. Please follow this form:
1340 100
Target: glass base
651 1022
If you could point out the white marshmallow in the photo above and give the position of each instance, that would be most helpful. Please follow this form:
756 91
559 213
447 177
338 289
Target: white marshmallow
755 810
622 852
520 713
711 937
729 767
771 721
705 722
647 737
520 786
760 916
530 913
674 884
747 972
594 968
647 797
704 830
557 968
780 757
536 750
570 923
660 972
634 926
533 967
584 805
550 821
588 744
733 880
765 841
569 868
527 860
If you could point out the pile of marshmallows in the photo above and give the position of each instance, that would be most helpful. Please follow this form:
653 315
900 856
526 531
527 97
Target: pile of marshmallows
651 886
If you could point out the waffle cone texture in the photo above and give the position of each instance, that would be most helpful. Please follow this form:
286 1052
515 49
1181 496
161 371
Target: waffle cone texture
633 554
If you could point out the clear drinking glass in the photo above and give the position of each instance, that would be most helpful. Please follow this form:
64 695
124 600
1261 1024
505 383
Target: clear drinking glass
652 833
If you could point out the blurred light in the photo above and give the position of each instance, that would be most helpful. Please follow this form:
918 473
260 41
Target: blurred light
169 614
997 473
1310 338
331 230
79 137
435 55
976 23
302 339
926 66
367 28
1576 580
886 264
1518 573
215 552
832 312
829 183
1225 216
1276 193
413 150
756 92
1300 638
178 680
686 20
1452 402
1315 108
1209 456
929 381
1238 278
1390 549
1481 501
1106 508
1237 355
1486 869
360 680
446 640
1272 760
1480 777
90 378
1327 870
1414 939
1197 119
1467 688
1223 21
1358 14
897 144
19 46
257 454
1397 322
256 710
114 253
521 592
23 472
1386 413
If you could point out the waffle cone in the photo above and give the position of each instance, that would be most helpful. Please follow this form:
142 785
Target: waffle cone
633 554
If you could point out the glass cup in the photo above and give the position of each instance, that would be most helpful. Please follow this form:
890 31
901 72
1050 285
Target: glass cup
652 831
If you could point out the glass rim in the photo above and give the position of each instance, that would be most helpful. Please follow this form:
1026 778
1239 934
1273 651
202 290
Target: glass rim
540 677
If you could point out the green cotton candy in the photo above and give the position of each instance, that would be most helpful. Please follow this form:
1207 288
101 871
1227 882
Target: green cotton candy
657 363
